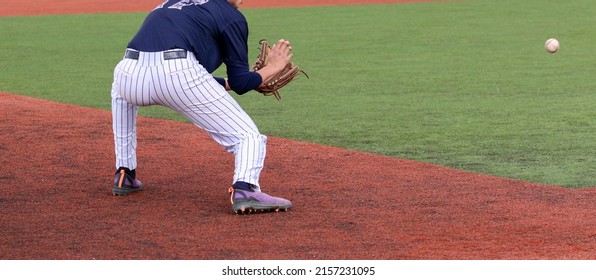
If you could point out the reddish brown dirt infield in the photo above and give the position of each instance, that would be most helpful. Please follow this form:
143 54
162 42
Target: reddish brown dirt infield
57 160
56 201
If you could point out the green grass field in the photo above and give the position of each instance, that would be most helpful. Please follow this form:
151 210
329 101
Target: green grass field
462 84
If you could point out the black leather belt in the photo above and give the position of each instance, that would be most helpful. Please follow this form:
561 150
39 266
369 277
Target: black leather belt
132 54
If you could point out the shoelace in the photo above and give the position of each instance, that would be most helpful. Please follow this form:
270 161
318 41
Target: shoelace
231 190
122 174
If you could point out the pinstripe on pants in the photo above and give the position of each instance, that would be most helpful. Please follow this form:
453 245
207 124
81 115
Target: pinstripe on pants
186 87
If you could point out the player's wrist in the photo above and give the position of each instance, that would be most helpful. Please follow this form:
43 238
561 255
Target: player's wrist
227 86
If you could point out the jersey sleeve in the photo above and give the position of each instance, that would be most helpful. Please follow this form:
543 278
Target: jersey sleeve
221 81
240 78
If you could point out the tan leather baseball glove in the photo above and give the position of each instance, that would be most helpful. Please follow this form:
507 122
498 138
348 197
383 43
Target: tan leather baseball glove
279 80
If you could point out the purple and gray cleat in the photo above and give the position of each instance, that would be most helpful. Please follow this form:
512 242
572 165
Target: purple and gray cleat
253 200
124 184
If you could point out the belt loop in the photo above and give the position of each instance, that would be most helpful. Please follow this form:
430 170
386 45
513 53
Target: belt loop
167 55
131 54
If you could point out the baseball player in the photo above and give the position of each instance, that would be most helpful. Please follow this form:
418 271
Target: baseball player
169 62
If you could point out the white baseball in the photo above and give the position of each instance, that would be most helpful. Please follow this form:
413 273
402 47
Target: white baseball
552 45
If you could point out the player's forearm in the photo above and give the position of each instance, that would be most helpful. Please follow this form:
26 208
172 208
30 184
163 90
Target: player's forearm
266 74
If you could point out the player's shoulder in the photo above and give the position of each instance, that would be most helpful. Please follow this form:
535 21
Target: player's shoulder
224 12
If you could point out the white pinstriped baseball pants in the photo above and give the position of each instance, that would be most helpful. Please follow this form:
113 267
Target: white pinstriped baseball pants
186 87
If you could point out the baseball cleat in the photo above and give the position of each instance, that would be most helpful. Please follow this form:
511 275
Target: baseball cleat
253 201
124 184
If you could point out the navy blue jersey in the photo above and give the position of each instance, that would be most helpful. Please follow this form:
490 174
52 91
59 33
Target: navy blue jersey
214 30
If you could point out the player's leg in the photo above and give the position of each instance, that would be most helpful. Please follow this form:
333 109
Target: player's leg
232 128
124 123
195 94
125 141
